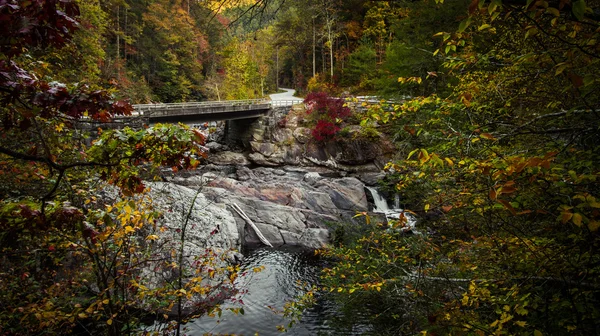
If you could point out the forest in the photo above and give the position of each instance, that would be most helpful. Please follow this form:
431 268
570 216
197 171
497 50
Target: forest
493 107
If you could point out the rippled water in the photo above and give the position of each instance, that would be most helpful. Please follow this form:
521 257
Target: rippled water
279 282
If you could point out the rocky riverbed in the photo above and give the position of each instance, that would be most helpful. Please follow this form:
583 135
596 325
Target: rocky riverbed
289 186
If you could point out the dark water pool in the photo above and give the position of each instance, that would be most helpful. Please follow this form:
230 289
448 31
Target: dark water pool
285 275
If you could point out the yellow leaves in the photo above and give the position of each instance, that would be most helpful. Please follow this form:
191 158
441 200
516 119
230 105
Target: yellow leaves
59 127
109 322
365 214
484 27
152 237
565 216
423 156
129 229
426 208
577 218
553 11
594 225
537 333
406 80
495 4
487 136
560 67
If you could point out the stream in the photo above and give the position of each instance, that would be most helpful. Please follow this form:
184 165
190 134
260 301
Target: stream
286 273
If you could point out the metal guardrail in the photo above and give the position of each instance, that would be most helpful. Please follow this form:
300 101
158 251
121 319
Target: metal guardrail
207 104
286 102
208 107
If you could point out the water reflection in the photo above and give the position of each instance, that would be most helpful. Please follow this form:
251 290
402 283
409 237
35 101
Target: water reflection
285 275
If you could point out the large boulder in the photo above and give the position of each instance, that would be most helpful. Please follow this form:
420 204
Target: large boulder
206 232
229 158
265 148
346 193
285 205
261 160
283 135
302 134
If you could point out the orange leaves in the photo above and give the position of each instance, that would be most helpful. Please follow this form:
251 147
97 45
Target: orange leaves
507 205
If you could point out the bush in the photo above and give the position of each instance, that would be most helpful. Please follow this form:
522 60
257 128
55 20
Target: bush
328 112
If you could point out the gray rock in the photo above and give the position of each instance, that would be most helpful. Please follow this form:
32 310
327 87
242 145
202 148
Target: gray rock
209 227
271 233
244 174
261 160
283 135
215 147
371 179
315 238
290 238
265 148
279 172
312 178
229 158
302 134
346 193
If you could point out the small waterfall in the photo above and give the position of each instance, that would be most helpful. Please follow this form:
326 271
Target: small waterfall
381 206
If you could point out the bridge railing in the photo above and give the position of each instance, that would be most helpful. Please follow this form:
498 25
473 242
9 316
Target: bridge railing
207 104
286 102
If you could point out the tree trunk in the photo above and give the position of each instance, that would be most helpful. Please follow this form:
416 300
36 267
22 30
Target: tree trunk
314 49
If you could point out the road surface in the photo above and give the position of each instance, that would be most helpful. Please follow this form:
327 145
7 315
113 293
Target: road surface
288 95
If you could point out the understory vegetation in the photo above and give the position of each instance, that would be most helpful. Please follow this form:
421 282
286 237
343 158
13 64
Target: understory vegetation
492 105
502 173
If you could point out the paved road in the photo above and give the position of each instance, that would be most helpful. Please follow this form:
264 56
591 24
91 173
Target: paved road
287 96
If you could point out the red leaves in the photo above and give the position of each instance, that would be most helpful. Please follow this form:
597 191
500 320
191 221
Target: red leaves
473 6
41 24
122 107
324 130
28 213
329 111
200 137
37 23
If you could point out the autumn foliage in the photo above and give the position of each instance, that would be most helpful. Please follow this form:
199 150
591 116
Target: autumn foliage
71 260
328 112
502 173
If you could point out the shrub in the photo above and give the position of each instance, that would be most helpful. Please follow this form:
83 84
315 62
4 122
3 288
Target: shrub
328 112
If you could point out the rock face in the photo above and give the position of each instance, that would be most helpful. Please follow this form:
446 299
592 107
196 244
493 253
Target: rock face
289 207
206 233
301 184
283 138
174 202
229 158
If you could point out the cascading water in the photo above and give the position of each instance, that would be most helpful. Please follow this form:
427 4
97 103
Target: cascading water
381 206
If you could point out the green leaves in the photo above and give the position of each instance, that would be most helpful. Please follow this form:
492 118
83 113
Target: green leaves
578 8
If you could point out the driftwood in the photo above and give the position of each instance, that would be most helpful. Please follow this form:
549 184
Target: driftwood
249 221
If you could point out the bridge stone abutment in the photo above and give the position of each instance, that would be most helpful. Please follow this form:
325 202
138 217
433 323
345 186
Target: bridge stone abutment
242 131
